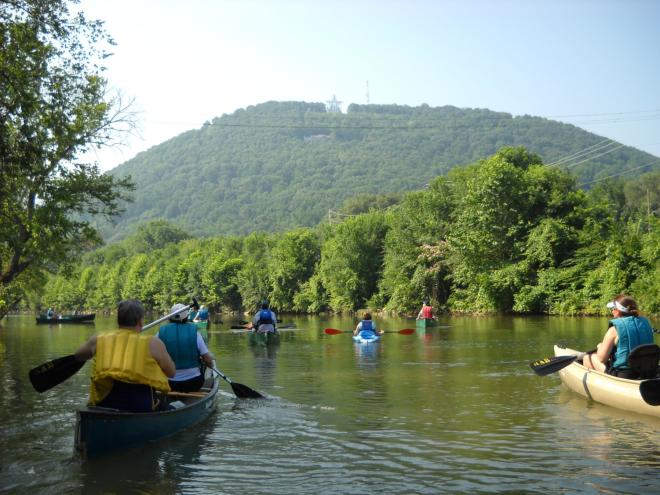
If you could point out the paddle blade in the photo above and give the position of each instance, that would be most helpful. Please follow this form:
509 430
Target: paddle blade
650 390
245 392
407 331
546 366
333 331
51 373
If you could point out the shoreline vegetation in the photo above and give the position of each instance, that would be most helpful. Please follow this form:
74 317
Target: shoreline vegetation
504 235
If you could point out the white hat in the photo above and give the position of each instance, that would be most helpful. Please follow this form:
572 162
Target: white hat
180 316
617 305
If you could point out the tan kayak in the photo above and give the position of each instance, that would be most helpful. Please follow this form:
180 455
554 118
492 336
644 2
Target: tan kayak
606 389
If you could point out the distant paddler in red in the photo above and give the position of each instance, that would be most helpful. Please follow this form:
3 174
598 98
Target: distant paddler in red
426 313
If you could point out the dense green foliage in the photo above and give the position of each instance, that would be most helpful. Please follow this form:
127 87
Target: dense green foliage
53 108
281 165
504 234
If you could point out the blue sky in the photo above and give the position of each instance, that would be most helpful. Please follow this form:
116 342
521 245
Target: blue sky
591 63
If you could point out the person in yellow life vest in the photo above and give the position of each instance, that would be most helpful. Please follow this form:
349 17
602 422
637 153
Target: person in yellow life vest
128 367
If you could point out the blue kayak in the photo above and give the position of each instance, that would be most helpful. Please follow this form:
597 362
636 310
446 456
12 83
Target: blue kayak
366 337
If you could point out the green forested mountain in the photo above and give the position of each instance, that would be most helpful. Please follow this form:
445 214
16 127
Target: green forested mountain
504 234
281 165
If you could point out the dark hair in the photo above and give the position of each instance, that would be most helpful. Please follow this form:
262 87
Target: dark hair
367 316
129 313
264 304
629 303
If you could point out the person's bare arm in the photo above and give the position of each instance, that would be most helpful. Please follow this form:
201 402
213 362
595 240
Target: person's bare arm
208 359
159 353
87 350
606 346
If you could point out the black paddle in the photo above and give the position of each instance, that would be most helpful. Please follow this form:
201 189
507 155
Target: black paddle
650 391
241 391
47 375
546 366
247 329
51 373
243 322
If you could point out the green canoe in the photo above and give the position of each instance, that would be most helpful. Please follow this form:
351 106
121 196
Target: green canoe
425 323
203 329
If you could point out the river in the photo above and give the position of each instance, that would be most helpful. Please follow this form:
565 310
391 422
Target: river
452 410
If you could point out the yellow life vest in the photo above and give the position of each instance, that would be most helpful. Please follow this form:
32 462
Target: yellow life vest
124 355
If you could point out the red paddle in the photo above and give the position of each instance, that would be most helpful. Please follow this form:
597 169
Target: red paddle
334 331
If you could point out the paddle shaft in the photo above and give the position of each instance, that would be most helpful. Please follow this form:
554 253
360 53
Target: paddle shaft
546 366
166 317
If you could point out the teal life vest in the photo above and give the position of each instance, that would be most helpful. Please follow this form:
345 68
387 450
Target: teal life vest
632 331
180 339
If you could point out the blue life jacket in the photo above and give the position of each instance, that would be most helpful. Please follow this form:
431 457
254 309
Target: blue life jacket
367 328
265 317
203 314
632 331
191 315
180 339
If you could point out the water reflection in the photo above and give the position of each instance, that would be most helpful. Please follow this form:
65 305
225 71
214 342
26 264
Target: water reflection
165 467
367 353
265 362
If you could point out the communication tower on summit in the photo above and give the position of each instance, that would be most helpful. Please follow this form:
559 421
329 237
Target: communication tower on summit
367 92
333 106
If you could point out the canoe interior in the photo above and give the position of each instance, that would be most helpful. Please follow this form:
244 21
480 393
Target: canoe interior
101 431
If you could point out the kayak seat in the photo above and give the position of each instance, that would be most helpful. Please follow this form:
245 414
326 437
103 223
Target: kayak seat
643 361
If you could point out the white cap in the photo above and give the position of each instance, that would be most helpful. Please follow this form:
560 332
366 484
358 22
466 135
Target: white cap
182 315
617 305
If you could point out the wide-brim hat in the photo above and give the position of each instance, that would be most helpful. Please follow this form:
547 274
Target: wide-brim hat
181 315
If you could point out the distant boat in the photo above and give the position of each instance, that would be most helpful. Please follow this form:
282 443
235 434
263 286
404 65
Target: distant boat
86 318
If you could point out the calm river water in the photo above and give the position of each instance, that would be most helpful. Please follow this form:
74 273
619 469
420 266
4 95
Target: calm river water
454 410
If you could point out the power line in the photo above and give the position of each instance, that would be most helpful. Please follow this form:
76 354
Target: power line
594 157
578 153
657 110
617 174
420 122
